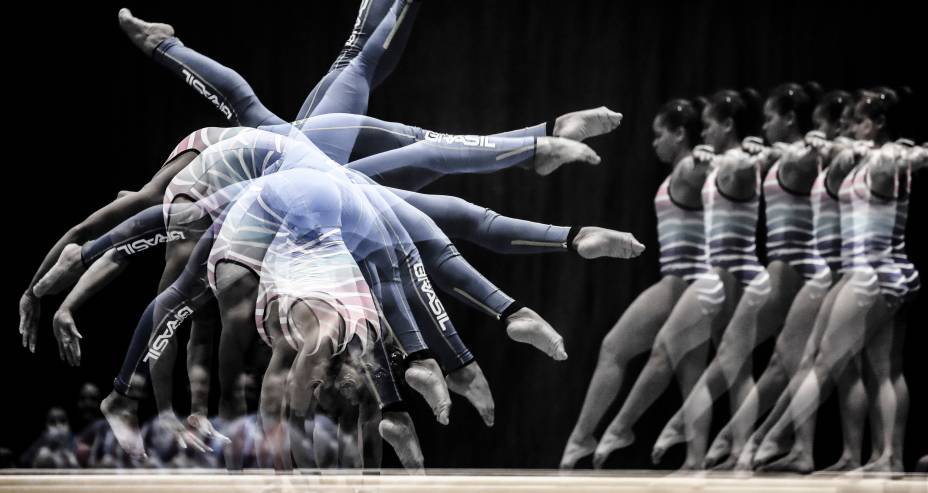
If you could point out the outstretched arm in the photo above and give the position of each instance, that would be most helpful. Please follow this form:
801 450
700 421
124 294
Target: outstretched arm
109 266
95 224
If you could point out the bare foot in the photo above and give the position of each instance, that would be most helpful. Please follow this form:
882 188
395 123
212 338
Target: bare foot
669 437
553 152
796 461
593 242
528 327
609 443
398 430
425 377
120 412
844 464
470 383
145 35
769 449
581 125
576 449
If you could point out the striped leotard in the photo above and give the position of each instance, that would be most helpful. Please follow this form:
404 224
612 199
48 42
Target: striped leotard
731 226
867 224
198 140
300 266
682 236
790 230
826 219
912 279
211 180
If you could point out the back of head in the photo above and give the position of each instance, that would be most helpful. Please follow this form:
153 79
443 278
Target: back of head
744 108
682 113
800 100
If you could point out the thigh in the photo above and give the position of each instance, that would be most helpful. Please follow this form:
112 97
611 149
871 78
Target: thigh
798 327
785 284
690 322
636 329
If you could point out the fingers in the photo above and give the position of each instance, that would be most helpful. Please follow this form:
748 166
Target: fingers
186 438
194 441
202 425
703 153
218 436
28 317
76 351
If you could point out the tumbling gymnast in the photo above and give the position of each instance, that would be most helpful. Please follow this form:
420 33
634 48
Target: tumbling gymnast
183 178
358 135
568 124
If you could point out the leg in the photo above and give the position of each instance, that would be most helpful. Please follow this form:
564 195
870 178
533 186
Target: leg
857 305
632 335
745 460
417 165
782 366
901 389
460 219
379 21
177 256
220 85
688 373
730 441
687 328
347 87
853 404
730 370
158 324
878 352
204 326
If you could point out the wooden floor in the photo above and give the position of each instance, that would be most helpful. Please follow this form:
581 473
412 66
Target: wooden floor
508 481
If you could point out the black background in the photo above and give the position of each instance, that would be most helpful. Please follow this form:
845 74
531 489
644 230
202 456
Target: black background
100 117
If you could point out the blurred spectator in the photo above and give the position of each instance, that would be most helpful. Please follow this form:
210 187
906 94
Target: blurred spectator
90 422
54 449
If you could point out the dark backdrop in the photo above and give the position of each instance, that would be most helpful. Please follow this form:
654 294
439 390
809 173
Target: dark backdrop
102 117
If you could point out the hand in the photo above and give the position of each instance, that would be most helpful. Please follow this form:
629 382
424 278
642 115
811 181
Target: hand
29 313
69 339
204 427
818 141
753 145
703 154
182 434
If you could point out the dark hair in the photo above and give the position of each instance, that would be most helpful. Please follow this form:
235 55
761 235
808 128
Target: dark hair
800 99
744 109
886 103
832 105
685 114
